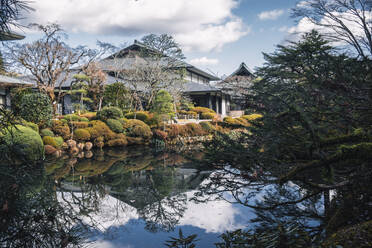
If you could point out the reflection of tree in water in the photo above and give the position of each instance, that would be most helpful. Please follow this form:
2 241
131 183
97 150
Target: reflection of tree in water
31 215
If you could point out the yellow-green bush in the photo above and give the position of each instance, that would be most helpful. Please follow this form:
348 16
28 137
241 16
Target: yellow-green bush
236 121
59 140
115 125
31 125
89 115
73 117
139 115
56 142
29 143
252 117
82 134
137 128
46 132
207 116
200 110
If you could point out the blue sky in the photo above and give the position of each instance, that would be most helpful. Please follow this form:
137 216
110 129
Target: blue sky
216 35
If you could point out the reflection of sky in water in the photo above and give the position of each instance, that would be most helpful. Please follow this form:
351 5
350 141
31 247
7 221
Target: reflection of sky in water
121 226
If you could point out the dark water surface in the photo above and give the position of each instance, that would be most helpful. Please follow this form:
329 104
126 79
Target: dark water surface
133 197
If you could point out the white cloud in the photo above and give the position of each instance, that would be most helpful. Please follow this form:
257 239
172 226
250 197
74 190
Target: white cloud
196 24
271 15
203 61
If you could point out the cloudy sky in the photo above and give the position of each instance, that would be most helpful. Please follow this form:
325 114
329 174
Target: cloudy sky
215 35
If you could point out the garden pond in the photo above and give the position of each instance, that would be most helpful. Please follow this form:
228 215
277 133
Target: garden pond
132 197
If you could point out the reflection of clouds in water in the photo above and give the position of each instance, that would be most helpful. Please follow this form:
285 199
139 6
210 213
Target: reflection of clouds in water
214 216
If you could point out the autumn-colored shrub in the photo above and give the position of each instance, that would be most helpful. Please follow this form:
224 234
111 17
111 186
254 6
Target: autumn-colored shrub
174 131
89 115
137 128
46 132
194 129
161 135
99 129
139 115
207 116
81 134
115 125
200 110
236 121
79 124
109 113
117 142
61 129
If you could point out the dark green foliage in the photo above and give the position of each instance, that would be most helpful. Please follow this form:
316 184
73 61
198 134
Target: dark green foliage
117 95
109 113
46 132
37 108
115 125
16 94
21 144
163 103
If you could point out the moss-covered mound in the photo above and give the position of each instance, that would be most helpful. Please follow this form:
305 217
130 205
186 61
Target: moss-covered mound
22 144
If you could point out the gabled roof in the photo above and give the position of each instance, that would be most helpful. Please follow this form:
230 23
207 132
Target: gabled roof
12 81
190 87
136 46
10 36
243 70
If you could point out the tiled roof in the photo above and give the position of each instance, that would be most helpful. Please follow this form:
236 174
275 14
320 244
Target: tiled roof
13 81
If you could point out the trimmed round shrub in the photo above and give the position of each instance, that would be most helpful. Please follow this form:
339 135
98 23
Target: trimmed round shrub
109 113
37 108
115 125
59 141
46 132
163 103
200 110
48 140
140 115
207 116
81 134
28 143
100 129
31 125
137 128
61 129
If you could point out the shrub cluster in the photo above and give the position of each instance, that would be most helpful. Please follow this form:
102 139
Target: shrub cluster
100 129
37 108
139 115
188 130
137 128
79 124
201 110
236 121
46 132
82 134
207 116
252 117
115 125
60 128
56 142
207 126
109 113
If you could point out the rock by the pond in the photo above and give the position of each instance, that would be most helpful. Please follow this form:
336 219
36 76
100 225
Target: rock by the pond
80 155
49 149
57 154
74 150
88 154
88 146
71 143
80 146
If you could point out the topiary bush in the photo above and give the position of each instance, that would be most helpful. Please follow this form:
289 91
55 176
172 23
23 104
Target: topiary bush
100 129
22 144
61 129
37 108
115 125
139 115
48 140
79 124
59 141
200 110
109 113
46 132
82 134
137 128
207 116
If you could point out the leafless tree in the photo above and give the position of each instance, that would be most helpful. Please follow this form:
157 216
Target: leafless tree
49 60
348 21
